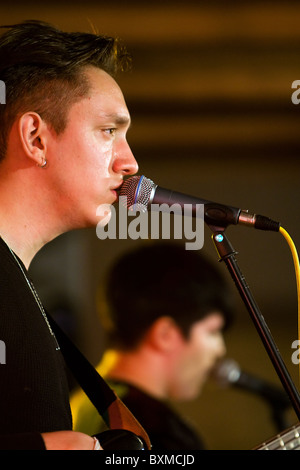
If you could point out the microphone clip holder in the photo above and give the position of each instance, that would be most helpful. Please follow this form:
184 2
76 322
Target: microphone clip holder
227 254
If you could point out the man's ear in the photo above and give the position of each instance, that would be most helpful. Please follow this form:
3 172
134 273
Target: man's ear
165 335
32 136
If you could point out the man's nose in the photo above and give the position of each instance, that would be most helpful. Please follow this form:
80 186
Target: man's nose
222 348
125 162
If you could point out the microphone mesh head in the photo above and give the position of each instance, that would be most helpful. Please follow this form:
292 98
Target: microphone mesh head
226 372
138 191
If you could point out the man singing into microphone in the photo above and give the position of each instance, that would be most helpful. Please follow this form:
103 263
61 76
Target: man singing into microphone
63 153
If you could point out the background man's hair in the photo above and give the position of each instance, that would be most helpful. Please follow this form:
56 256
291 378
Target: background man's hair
160 279
43 71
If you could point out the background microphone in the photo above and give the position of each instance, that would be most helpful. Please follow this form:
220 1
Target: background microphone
229 373
144 194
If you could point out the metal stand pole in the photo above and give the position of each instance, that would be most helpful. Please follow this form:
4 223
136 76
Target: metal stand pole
227 254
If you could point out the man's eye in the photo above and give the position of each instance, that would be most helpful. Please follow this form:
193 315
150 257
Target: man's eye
110 131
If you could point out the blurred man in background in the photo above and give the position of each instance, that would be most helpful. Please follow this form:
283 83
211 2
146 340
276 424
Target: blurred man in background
164 312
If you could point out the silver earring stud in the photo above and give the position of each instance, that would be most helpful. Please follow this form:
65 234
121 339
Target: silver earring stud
43 165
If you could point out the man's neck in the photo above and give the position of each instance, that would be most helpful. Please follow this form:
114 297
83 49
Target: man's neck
20 243
142 369
26 222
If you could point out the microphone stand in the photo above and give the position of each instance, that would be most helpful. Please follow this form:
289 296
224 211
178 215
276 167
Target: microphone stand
279 419
227 254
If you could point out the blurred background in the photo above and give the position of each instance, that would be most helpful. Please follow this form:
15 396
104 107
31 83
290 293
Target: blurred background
210 100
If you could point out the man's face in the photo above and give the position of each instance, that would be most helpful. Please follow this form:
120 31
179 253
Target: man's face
89 159
197 356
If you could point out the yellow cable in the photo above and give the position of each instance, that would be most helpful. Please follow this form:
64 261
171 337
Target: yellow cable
297 271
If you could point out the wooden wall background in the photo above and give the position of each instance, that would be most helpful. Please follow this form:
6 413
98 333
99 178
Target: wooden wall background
210 99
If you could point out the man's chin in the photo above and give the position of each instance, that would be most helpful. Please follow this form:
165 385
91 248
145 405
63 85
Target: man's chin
187 395
104 212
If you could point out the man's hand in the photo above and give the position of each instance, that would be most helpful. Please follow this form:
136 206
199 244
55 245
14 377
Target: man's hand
69 440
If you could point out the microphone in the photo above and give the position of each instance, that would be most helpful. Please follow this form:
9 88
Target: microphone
229 373
144 194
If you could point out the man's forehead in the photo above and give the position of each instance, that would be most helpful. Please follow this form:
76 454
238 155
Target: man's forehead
107 96
101 80
214 319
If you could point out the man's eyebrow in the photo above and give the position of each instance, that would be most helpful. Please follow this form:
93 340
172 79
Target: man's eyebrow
120 119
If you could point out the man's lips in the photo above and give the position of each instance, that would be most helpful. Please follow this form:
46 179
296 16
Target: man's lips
118 187
116 190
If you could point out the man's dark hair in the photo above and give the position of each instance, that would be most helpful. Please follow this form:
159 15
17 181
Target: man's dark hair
156 280
43 71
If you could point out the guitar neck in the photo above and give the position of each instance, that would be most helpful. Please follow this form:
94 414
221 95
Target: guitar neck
287 440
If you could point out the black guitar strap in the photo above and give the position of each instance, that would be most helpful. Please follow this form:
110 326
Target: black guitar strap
114 412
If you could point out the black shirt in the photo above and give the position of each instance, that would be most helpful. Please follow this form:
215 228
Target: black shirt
34 394
166 429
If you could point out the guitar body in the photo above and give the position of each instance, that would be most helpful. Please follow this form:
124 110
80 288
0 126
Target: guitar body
120 439
287 440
